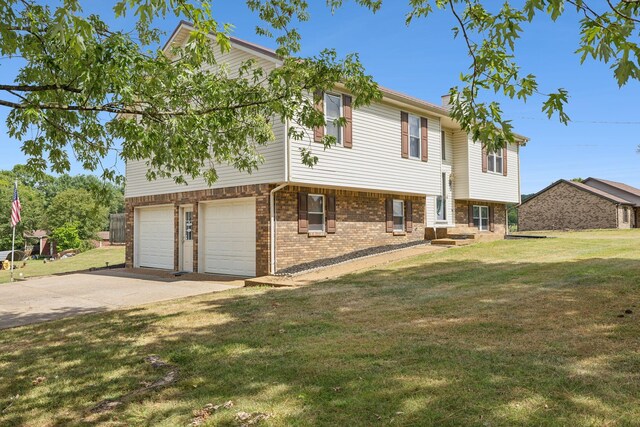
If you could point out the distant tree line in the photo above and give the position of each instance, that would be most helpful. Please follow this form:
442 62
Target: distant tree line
71 208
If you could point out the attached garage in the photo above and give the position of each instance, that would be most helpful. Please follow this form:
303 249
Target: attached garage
227 242
153 244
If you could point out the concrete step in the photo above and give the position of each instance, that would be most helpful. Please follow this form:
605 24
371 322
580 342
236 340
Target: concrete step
452 242
461 236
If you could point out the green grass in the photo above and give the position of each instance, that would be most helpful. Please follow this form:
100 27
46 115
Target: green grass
84 261
504 333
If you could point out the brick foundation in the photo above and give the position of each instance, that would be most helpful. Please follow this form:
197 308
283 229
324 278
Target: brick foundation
462 218
360 224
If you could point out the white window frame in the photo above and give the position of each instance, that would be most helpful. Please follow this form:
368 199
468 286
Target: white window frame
480 217
327 118
496 155
393 216
443 198
443 144
309 212
419 156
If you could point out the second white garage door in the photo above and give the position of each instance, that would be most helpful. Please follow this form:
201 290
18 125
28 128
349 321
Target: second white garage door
229 237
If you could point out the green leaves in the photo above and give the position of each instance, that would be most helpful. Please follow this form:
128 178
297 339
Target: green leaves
86 89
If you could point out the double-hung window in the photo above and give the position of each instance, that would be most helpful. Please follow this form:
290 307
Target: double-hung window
443 143
315 203
494 161
481 217
414 137
398 215
441 201
332 112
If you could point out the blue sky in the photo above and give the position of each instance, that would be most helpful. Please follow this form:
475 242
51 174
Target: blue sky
424 60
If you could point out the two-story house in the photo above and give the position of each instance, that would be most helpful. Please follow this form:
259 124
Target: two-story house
402 171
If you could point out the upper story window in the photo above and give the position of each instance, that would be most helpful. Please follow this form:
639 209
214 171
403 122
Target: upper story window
315 203
443 142
414 137
398 215
494 161
332 112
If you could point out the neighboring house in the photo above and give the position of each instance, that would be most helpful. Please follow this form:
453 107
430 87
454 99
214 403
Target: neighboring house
402 171
591 204
43 244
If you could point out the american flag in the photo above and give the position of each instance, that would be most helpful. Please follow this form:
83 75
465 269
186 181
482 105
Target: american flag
15 207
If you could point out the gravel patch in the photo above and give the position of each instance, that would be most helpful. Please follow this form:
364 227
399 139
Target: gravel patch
314 265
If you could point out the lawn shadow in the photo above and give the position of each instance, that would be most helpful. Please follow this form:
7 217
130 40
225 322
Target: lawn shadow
438 343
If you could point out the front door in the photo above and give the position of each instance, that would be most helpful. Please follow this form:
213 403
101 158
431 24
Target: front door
187 239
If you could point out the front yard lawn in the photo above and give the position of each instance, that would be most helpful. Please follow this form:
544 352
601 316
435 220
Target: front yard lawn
95 258
506 333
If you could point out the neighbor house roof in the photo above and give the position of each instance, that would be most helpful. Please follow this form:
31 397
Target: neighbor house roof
619 185
36 233
583 187
103 235
388 94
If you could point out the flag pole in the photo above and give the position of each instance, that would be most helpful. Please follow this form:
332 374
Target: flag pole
13 240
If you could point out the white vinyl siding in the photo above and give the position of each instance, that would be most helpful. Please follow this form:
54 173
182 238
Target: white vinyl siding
375 161
272 170
471 183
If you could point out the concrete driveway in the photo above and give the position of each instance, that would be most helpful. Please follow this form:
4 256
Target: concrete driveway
54 297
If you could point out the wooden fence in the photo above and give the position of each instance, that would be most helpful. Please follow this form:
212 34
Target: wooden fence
116 228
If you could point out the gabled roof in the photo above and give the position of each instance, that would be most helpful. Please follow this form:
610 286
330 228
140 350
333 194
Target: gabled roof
583 187
181 32
619 185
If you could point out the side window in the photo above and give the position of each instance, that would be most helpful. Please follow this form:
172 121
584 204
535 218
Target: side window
494 160
414 137
315 205
443 142
398 215
332 112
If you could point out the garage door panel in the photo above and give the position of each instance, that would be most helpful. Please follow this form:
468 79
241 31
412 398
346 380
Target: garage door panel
230 237
155 237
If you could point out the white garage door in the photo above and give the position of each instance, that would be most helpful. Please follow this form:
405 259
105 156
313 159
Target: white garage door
154 245
229 236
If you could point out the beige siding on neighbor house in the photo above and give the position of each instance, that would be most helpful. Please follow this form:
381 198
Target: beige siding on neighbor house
375 160
630 223
272 170
613 190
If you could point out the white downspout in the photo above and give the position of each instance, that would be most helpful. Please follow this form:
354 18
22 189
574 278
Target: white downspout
272 202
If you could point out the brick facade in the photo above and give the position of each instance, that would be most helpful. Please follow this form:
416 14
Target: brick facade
462 217
566 207
193 198
360 224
